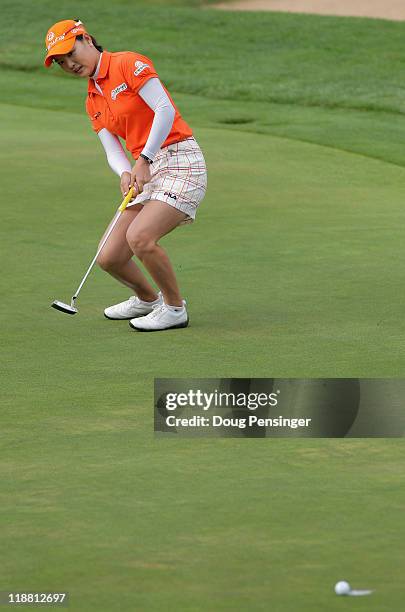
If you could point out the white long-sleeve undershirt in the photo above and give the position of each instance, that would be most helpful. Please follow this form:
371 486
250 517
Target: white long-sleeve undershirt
113 148
157 99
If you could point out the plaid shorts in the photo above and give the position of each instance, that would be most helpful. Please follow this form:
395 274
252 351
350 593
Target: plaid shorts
178 177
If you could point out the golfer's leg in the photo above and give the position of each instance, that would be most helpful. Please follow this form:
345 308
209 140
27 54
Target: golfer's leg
156 220
116 257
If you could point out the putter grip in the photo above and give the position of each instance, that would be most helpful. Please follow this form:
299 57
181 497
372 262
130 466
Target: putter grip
126 200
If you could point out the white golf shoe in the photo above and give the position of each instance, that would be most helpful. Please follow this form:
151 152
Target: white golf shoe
133 307
162 317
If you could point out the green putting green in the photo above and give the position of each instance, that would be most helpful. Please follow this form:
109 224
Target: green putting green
293 262
292 269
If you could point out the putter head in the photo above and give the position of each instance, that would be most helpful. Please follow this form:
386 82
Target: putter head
68 309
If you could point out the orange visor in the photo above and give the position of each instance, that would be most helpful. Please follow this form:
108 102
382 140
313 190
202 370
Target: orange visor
61 38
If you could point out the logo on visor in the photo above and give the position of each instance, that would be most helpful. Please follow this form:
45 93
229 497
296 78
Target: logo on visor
54 41
51 36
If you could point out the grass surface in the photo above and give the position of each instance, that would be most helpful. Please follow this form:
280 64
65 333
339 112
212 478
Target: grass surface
293 269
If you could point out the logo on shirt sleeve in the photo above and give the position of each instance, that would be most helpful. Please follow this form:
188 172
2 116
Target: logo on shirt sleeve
140 66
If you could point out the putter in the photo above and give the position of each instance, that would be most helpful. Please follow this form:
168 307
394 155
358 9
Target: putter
72 309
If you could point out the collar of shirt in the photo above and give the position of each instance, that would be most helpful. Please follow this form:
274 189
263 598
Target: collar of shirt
101 70
95 75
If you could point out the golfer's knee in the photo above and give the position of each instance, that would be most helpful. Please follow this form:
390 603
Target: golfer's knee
108 262
140 243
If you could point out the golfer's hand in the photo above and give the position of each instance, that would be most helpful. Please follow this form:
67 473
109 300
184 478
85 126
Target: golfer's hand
140 174
125 185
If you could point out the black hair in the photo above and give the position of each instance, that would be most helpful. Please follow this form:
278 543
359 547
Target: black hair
95 43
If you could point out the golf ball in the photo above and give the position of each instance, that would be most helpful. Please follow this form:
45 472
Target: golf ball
342 588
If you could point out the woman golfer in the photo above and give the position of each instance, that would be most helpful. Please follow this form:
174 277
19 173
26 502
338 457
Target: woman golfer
126 98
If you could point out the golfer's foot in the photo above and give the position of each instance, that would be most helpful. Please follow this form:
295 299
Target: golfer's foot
162 317
134 307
